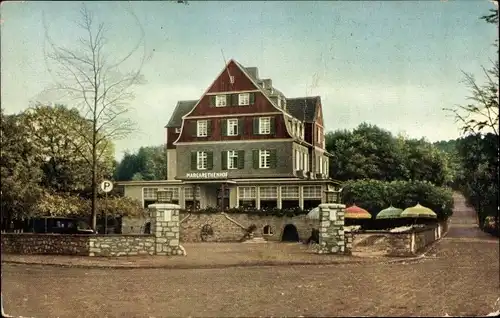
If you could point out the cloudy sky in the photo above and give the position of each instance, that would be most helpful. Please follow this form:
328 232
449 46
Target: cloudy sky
393 64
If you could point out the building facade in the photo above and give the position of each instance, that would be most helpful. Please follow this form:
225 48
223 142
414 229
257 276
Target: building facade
243 143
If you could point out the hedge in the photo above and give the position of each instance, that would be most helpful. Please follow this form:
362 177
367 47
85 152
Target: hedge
375 195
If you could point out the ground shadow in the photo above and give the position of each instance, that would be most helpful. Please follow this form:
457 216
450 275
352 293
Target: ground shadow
290 234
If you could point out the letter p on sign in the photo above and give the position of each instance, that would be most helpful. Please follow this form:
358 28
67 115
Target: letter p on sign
106 186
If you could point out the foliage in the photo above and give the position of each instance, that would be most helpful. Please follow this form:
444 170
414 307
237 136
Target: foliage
20 172
58 135
479 180
149 163
376 195
369 152
68 205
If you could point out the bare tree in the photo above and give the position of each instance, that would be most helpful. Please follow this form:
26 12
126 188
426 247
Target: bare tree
94 81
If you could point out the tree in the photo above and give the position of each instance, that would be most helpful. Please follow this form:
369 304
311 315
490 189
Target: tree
20 172
149 163
94 79
57 135
369 152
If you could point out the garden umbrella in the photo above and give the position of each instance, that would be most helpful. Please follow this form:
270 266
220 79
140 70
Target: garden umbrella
313 214
418 211
389 213
355 212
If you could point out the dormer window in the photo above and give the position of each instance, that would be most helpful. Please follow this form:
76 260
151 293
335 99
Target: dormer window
279 101
177 130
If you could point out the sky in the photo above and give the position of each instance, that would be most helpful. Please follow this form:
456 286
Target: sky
394 64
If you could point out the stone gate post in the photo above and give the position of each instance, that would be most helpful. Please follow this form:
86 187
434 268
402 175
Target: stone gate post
165 228
332 239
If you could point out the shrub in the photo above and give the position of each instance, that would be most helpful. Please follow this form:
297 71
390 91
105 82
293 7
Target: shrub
375 195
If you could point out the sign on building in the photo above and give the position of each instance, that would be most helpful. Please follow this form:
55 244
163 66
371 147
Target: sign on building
206 175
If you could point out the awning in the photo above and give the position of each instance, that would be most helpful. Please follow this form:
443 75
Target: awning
208 181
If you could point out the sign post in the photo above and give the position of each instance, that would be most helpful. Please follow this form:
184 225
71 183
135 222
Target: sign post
106 186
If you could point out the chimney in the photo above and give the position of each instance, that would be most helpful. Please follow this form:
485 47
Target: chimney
253 72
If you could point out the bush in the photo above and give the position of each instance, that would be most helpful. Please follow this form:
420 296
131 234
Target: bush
375 195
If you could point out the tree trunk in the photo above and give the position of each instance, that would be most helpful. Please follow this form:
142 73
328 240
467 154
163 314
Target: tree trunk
94 179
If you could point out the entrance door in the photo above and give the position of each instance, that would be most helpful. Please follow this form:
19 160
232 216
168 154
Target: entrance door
223 198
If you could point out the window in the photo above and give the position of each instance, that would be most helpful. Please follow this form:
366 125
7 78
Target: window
325 166
306 163
201 128
177 130
264 125
279 101
220 101
150 195
267 230
290 192
232 127
297 160
201 160
244 99
247 192
312 192
232 159
264 159
268 192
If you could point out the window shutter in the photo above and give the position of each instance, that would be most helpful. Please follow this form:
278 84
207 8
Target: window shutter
209 128
223 160
210 160
193 161
272 158
228 99
252 98
241 159
223 127
272 124
255 159
234 99
194 128
256 126
212 101
241 126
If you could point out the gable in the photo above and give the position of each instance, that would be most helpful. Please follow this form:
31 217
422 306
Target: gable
223 83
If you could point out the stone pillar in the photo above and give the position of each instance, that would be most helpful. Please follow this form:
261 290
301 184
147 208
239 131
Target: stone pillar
165 228
332 239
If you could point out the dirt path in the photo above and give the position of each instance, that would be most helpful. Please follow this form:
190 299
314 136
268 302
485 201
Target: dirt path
463 223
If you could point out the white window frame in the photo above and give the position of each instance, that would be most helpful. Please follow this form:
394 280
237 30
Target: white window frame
247 193
290 192
232 155
232 124
264 159
313 192
268 192
297 159
279 101
306 161
202 128
264 125
201 160
220 100
244 99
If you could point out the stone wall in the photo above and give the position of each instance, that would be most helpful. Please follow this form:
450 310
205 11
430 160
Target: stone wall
231 227
388 243
121 245
28 243
164 240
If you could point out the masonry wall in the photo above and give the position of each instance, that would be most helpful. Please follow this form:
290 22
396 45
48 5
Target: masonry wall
231 227
121 245
60 244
